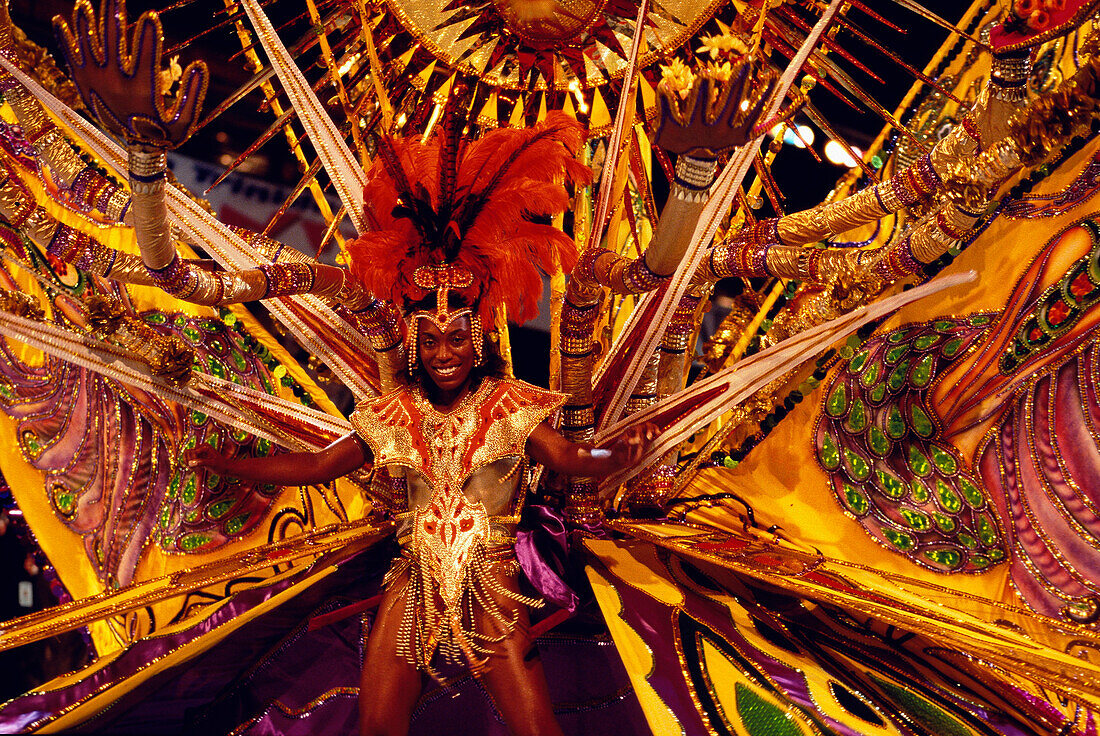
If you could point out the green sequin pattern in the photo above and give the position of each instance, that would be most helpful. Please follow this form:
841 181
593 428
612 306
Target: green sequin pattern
202 510
879 441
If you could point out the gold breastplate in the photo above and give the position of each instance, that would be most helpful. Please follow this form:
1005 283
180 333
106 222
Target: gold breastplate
465 464
446 448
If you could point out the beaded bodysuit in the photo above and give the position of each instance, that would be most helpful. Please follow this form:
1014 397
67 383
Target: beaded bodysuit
463 502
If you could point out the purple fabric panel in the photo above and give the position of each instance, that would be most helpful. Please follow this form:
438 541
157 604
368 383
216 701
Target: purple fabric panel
305 683
653 621
72 422
588 685
542 549
1090 385
1070 437
1072 417
1048 710
1027 538
303 671
1000 480
1039 473
269 657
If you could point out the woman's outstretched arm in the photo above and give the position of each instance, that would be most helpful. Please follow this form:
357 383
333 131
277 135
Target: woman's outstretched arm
582 460
291 469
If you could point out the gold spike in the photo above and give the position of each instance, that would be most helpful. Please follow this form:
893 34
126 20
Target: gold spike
488 114
404 60
516 120
440 96
542 108
593 73
421 81
599 116
649 95
568 107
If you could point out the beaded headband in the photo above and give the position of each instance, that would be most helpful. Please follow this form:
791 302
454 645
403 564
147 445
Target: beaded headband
441 278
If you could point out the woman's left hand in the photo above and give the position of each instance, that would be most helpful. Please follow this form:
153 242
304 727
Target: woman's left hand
628 448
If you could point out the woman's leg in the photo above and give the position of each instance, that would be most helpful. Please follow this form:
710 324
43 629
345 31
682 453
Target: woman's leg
515 678
389 686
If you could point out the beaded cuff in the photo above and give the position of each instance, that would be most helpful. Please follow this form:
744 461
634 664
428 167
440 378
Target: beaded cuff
638 277
693 177
284 279
147 169
72 246
576 328
175 278
381 324
1009 76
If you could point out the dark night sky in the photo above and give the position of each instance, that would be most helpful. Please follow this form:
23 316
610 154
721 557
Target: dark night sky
805 182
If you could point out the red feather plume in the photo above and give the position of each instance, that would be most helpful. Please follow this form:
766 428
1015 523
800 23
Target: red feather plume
501 182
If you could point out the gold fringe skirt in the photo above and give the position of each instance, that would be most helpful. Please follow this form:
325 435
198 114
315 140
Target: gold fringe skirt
467 632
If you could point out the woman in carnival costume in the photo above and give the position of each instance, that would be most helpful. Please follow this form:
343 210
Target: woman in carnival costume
459 430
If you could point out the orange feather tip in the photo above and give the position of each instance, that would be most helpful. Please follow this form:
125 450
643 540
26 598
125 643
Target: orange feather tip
500 183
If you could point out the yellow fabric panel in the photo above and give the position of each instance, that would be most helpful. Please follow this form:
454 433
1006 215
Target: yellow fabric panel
782 479
636 656
639 569
63 548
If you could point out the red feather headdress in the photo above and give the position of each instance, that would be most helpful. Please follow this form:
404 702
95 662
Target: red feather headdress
470 205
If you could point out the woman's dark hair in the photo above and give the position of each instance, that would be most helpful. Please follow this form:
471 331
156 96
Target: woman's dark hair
491 362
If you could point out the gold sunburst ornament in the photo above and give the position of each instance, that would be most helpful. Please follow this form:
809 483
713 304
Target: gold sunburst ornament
526 57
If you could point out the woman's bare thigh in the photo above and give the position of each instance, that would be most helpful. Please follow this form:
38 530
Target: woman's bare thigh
389 685
515 678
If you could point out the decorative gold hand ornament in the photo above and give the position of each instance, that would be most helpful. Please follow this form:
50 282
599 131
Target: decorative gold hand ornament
117 68
716 113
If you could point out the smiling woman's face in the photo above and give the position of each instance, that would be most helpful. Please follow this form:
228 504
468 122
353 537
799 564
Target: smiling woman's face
447 356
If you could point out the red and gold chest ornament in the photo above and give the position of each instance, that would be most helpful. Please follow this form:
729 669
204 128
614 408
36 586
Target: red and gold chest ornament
449 560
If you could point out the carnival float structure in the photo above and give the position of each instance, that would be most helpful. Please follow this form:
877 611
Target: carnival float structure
871 512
